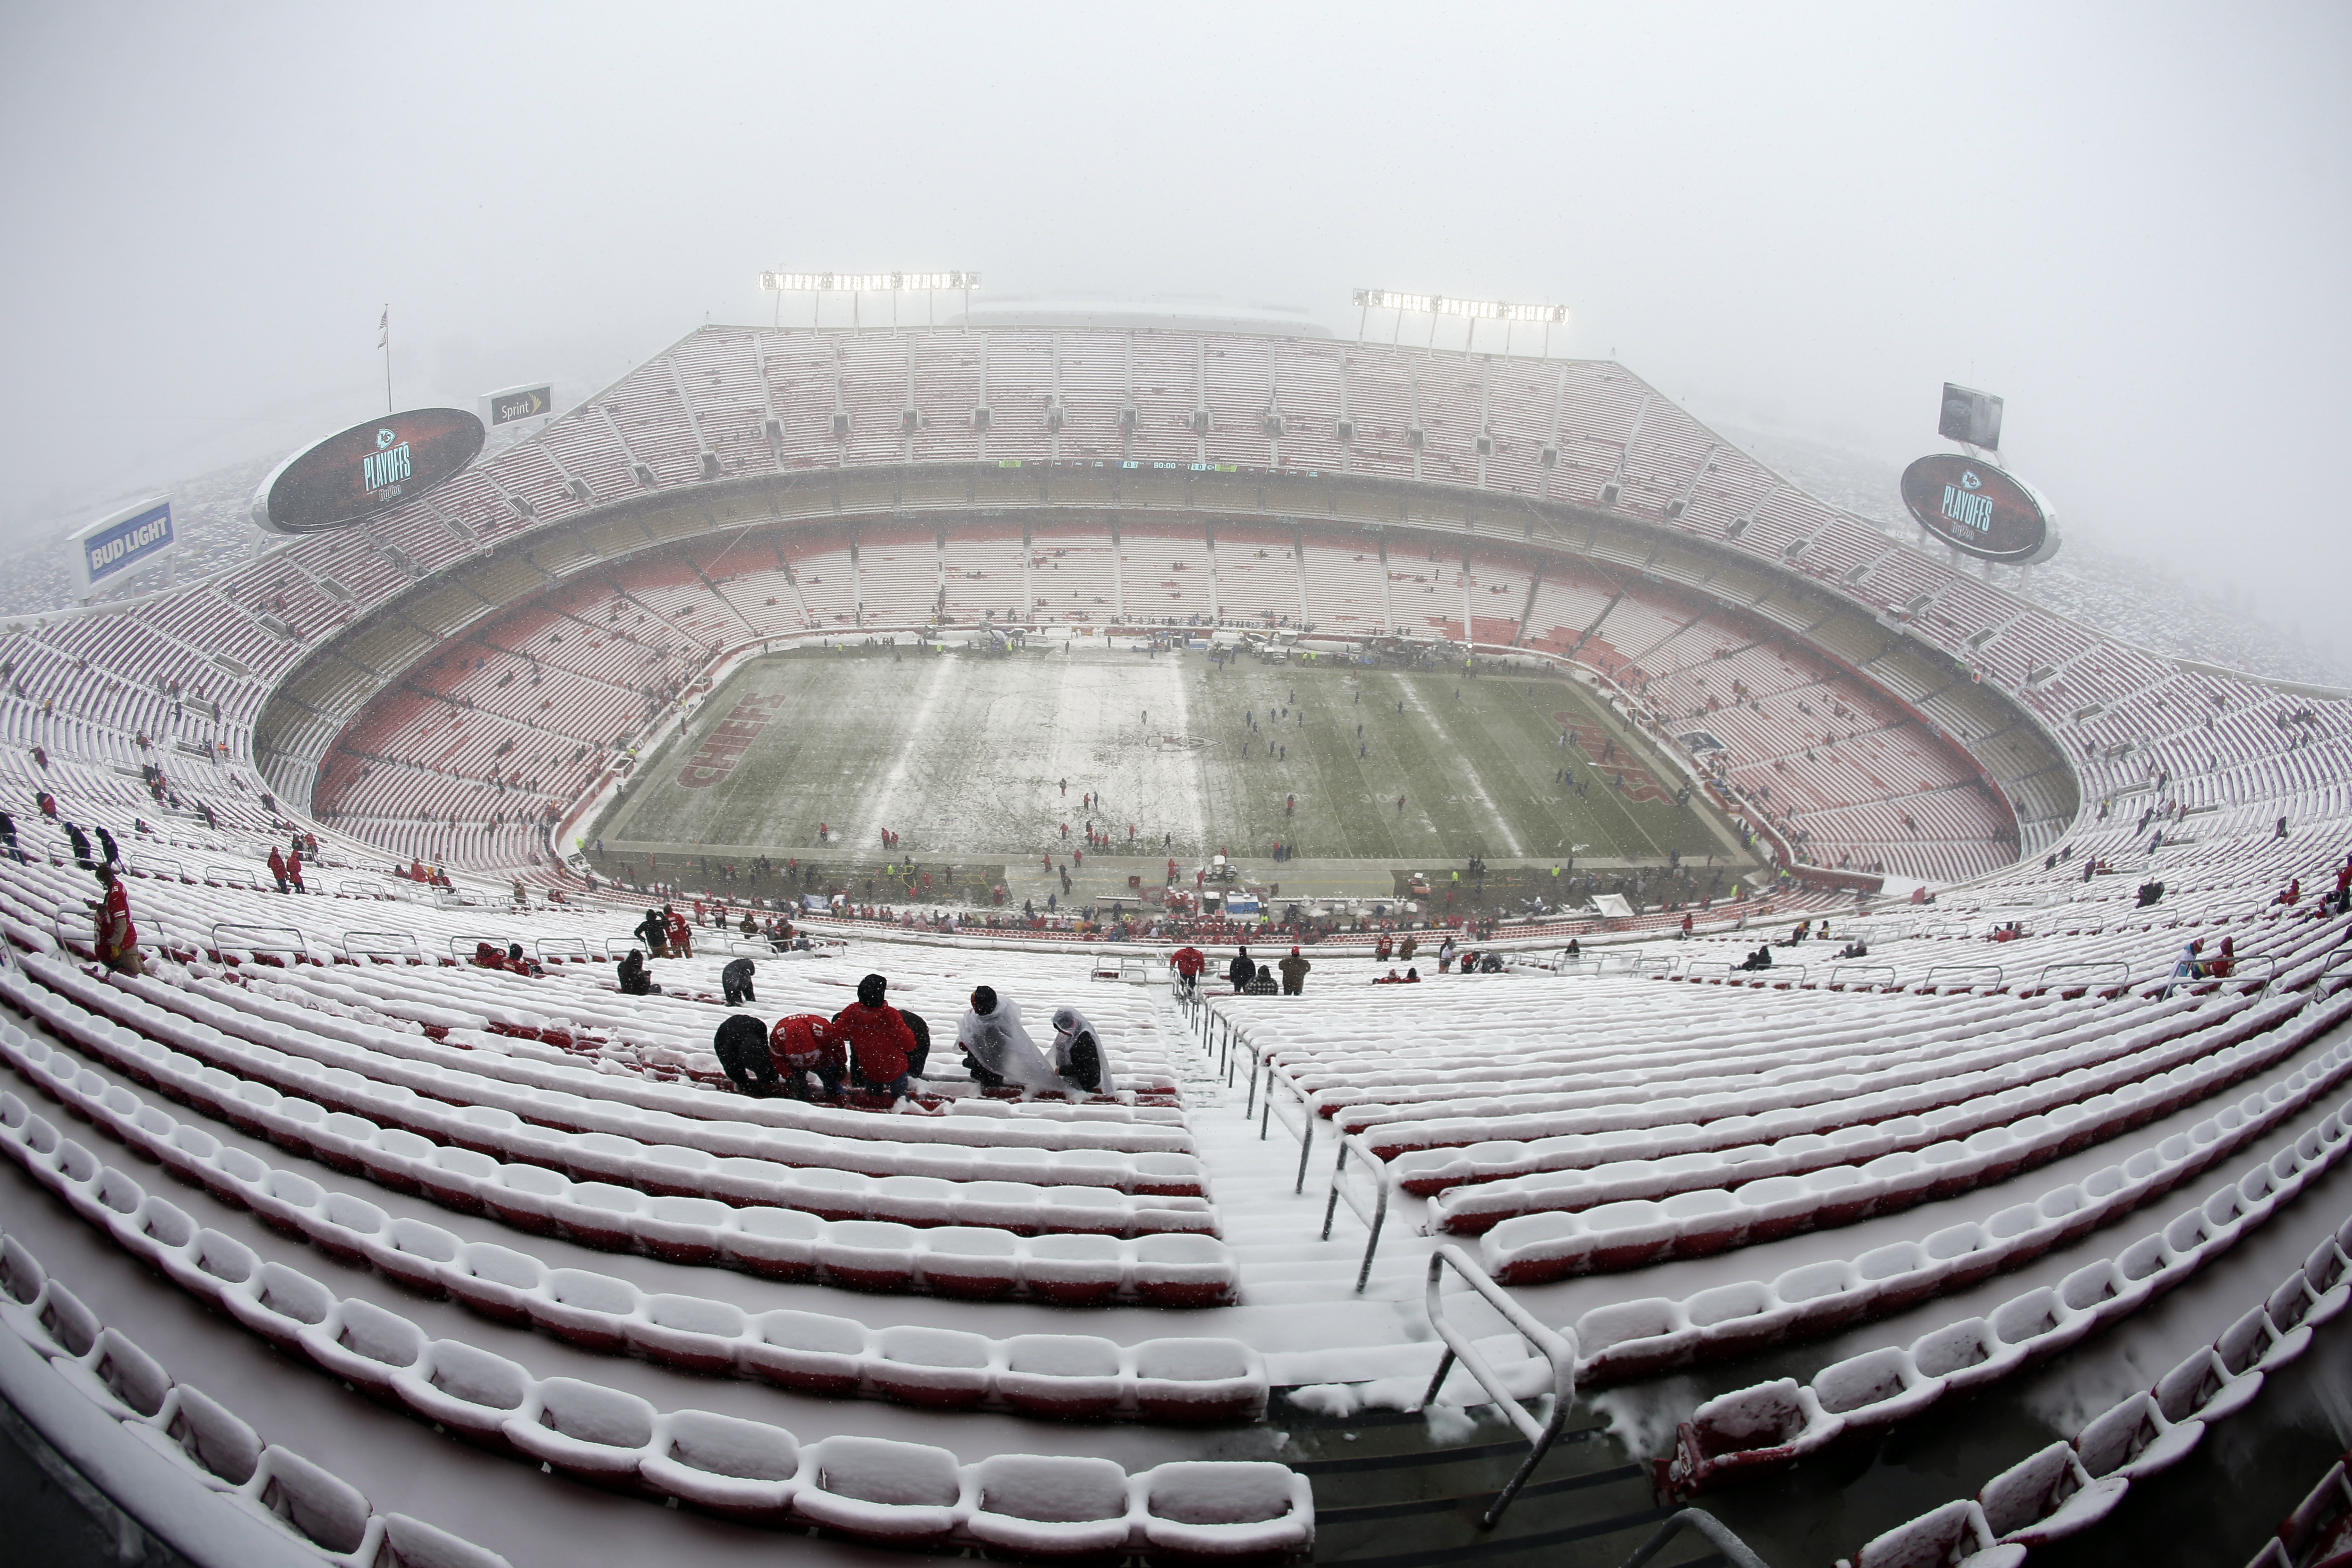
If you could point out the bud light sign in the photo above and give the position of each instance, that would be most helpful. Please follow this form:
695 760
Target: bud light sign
1979 510
137 536
366 470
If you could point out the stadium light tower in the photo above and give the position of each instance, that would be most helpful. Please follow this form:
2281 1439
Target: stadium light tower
1473 311
857 285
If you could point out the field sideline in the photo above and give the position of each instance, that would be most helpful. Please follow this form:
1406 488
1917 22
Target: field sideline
965 756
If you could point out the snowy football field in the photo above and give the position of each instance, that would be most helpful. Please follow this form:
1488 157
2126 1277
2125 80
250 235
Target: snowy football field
966 756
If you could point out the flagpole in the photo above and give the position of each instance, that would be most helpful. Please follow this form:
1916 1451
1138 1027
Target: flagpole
385 343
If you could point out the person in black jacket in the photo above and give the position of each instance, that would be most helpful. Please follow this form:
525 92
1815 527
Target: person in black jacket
742 1046
1240 971
922 1051
634 981
80 842
736 981
109 854
653 931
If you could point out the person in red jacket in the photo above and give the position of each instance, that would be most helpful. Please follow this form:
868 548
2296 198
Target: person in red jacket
118 939
277 867
1188 963
880 1045
681 937
802 1044
294 871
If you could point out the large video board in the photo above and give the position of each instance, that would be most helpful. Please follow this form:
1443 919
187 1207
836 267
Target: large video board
368 468
1979 510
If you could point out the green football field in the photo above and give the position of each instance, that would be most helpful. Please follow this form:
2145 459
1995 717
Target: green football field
967 756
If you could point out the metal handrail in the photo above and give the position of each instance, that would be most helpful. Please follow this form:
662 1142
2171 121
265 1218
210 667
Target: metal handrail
1993 969
299 946
2041 981
572 947
1556 1346
1377 1218
473 942
1304 1131
1717 1534
403 945
1839 971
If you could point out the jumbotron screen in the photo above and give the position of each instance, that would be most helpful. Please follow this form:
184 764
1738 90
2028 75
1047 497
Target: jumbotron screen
368 468
1977 509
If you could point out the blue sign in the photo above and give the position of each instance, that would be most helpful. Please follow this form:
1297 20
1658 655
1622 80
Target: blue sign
128 542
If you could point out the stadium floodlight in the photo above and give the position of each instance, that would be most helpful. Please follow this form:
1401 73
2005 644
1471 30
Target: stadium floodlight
1473 312
856 284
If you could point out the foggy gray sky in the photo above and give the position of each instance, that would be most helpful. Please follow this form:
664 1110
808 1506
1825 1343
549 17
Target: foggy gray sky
2129 221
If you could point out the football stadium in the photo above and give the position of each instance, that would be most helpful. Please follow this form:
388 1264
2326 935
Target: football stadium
1249 947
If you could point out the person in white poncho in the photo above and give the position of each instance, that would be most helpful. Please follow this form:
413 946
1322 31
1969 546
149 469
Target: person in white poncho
1080 1059
998 1049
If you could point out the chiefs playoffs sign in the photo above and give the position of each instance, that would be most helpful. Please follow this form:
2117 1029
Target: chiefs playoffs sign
368 468
1979 510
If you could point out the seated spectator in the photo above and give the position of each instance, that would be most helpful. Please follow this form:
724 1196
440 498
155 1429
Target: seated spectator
1413 976
634 981
1491 963
996 1048
520 965
917 1025
736 981
1391 978
1760 959
2294 894
1078 1058
2149 892
2224 964
803 1047
742 1047
880 1045
1857 948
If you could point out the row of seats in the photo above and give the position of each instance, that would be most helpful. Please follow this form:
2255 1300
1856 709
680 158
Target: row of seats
1636 1339
263 1480
903 1494
1175 1379
2068 1486
1057 1251
1842 1187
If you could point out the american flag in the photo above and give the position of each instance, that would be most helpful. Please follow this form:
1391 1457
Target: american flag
384 329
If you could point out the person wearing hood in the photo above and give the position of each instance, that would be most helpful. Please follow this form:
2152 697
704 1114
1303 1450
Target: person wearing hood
1079 1059
1240 971
108 853
653 931
1294 973
81 843
880 1045
736 981
996 1048
742 1049
277 867
634 981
